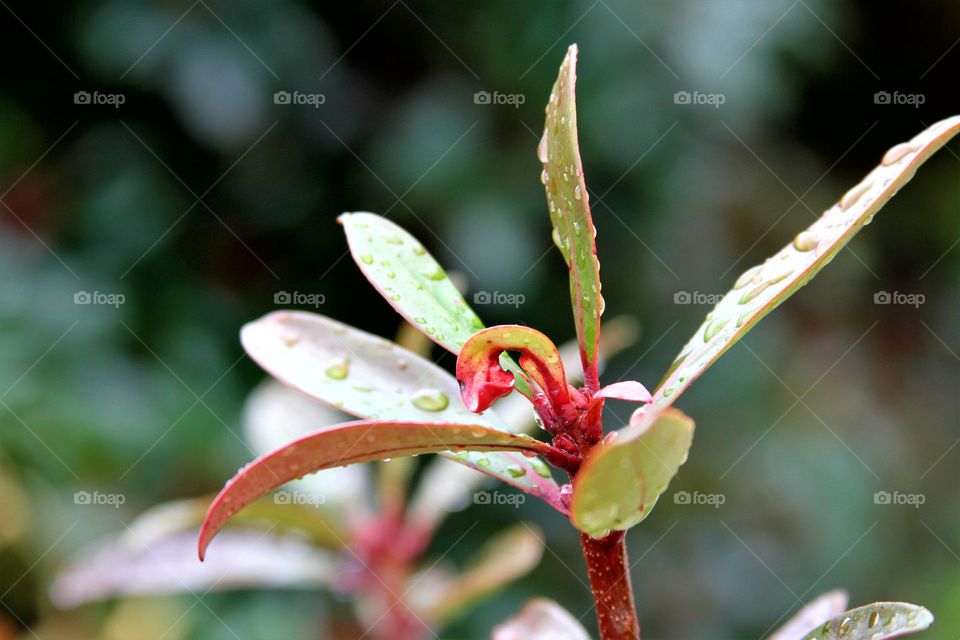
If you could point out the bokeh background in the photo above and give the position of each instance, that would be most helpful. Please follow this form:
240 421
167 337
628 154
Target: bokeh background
199 199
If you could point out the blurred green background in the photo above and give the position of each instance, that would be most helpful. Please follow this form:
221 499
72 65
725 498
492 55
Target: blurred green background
199 199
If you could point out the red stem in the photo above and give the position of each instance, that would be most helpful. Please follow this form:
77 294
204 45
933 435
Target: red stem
609 574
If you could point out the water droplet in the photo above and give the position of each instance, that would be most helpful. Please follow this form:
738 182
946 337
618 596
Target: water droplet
747 277
542 153
713 328
337 368
478 433
846 626
395 297
483 462
418 250
897 153
874 618
850 197
430 400
544 177
540 467
516 471
742 319
366 259
391 275
577 194
437 274
668 392
556 238
394 240
420 320
806 241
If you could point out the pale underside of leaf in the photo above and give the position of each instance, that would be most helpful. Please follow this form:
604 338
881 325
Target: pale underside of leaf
877 621
815 613
567 200
372 378
508 555
351 443
762 288
620 481
250 559
410 279
541 619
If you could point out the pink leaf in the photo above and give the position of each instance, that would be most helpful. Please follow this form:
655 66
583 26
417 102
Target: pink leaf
629 390
350 443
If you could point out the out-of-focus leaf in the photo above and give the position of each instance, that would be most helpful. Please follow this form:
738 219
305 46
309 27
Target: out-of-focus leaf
351 443
276 514
762 288
122 567
567 198
411 280
482 379
541 619
14 514
506 556
621 479
816 612
275 414
373 378
877 621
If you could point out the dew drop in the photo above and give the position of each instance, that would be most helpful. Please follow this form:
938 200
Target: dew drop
896 153
483 462
542 153
366 259
747 277
850 197
713 328
874 618
419 251
556 238
544 177
806 241
577 194
540 467
430 400
337 369
516 471
395 297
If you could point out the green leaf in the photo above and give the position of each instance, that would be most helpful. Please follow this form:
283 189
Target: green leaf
410 279
621 479
372 378
761 289
567 200
508 555
351 443
876 621
541 619
815 612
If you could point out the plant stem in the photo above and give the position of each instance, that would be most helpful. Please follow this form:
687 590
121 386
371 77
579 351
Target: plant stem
609 575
